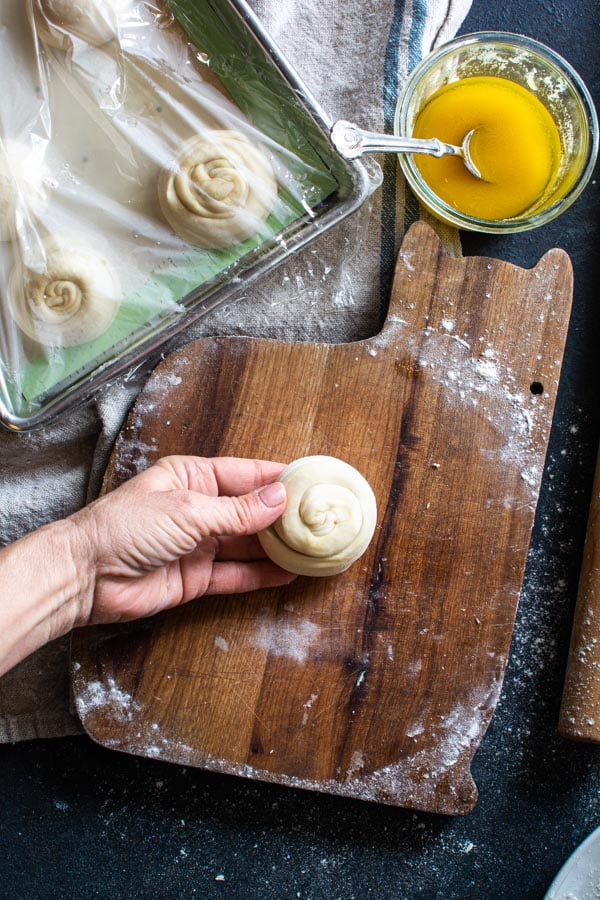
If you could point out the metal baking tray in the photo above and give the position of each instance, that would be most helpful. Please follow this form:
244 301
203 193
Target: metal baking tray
234 40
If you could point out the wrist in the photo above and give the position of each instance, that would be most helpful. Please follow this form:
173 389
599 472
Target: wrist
81 582
46 587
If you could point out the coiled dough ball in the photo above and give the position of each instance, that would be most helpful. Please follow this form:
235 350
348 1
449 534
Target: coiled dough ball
329 519
93 21
69 300
218 191
22 177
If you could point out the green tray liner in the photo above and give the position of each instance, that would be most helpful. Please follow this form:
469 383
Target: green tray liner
267 100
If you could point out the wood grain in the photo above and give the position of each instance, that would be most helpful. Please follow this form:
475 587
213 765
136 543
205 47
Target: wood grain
378 683
580 708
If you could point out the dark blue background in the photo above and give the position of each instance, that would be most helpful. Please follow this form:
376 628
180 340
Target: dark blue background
80 821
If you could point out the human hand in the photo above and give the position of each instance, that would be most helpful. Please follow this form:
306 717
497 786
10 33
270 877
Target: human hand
183 528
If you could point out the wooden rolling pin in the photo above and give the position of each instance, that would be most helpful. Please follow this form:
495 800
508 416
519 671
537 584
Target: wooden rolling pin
580 709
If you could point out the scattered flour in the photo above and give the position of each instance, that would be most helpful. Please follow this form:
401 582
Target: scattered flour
97 695
292 640
416 778
488 370
356 763
136 455
307 706
407 259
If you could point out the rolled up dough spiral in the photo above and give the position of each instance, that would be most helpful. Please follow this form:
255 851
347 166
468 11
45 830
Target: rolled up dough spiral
93 21
218 191
329 519
22 177
72 299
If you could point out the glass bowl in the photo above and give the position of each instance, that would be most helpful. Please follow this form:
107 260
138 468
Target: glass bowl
543 73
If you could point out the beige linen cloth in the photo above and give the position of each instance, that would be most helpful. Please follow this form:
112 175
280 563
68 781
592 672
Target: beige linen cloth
353 55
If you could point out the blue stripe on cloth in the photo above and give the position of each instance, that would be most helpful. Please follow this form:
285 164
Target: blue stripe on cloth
388 190
419 12
415 53
417 29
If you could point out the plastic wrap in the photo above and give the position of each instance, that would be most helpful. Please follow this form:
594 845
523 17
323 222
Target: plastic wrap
152 157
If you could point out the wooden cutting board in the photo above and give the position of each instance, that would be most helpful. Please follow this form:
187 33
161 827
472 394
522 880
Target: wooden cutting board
378 683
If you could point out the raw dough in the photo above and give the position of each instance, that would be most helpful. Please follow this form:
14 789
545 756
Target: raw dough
93 21
22 177
329 519
218 191
70 299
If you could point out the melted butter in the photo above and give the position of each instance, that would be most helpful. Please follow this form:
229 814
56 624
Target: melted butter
516 147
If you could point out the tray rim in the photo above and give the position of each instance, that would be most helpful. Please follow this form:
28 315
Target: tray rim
295 236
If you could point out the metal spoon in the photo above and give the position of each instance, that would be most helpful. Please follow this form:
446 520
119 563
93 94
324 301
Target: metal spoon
351 141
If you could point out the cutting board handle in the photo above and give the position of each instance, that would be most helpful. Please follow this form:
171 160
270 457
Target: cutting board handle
420 256
423 261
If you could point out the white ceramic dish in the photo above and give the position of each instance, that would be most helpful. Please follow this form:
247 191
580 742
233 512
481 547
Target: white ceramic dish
579 878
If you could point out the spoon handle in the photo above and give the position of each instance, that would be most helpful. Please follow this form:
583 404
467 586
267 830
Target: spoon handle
351 141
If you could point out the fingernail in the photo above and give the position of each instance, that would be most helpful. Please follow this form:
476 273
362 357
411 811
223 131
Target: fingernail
272 494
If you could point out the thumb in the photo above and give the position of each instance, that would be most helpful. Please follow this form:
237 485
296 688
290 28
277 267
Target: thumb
246 514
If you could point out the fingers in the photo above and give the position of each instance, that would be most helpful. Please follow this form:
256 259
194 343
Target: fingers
240 476
226 475
123 600
235 516
239 577
207 570
227 548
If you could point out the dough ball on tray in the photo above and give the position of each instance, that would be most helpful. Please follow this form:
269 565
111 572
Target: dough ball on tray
70 298
218 191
